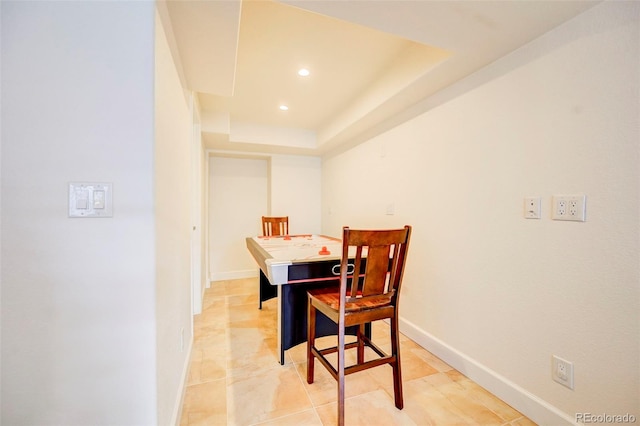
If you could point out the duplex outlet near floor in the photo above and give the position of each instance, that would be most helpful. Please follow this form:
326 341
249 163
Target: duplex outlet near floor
562 371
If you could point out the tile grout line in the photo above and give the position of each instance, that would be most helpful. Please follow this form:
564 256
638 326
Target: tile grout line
306 391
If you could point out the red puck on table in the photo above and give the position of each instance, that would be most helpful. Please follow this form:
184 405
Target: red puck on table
286 238
324 250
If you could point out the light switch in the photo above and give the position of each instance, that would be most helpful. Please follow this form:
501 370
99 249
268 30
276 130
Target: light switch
81 201
90 199
98 199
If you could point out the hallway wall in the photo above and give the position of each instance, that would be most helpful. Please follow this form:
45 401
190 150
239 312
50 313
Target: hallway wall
173 204
495 294
78 295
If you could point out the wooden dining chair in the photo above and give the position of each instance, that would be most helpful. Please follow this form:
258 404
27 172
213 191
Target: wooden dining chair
272 225
371 293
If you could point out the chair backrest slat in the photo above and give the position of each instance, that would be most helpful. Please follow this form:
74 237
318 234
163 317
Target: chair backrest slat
275 225
355 281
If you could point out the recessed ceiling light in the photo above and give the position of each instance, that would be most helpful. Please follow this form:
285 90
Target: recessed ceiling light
284 107
303 72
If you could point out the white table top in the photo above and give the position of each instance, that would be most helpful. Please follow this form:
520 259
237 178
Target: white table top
300 248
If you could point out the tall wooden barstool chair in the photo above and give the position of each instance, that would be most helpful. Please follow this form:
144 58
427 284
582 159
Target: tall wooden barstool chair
273 226
376 260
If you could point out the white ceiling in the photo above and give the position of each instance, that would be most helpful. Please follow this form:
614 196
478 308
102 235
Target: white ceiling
369 61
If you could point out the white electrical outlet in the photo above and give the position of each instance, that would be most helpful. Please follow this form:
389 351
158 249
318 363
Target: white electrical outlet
391 209
569 207
562 371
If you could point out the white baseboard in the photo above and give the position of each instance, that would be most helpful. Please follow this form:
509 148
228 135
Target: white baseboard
234 275
177 409
527 403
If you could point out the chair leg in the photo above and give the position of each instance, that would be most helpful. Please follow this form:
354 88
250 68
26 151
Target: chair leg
311 341
397 372
359 336
341 363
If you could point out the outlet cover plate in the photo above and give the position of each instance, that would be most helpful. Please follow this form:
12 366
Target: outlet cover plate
562 371
569 207
90 199
532 207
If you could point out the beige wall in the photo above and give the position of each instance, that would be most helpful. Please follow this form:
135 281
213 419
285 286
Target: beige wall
493 293
295 192
93 310
238 189
173 179
242 189
78 295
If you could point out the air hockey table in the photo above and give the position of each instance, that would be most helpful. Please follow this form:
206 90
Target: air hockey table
289 266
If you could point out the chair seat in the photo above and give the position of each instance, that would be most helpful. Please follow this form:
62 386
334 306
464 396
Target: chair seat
331 298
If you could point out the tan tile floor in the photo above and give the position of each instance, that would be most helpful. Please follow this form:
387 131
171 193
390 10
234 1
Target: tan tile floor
235 378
